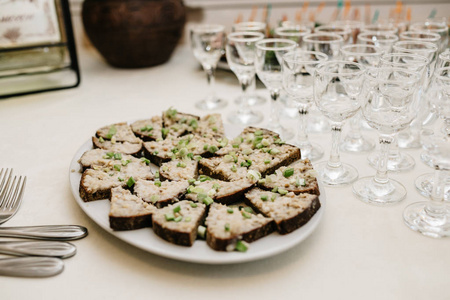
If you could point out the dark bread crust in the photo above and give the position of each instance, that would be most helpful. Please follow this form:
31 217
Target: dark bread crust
312 189
219 244
98 195
157 160
205 169
296 155
130 223
176 237
288 225
233 198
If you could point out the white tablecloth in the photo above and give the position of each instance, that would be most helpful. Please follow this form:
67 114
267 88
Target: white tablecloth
358 251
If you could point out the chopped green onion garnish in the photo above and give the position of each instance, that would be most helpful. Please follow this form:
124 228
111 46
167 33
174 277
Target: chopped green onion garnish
178 219
155 153
274 196
203 178
131 181
258 132
207 200
176 209
101 140
227 227
120 179
288 172
233 168
145 160
187 219
169 217
125 162
181 165
230 210
158 183
156 174
191 181
264 197
117 167
193 124
201 232
246 215
241 246
267 161
110 154
117 156
275 189
205 147
193 205
274 151
213 149
164 132
248 209
282 191
112 131
216 186
154 198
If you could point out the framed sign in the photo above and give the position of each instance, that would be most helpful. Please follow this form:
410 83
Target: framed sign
37 47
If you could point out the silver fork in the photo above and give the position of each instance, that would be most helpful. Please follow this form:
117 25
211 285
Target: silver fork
11 194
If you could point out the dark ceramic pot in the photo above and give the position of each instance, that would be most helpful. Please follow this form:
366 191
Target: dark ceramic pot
134 33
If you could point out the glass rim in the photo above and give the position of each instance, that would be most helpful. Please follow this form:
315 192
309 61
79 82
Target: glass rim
257 36
337 38
292 34
417 76
250 24
378 49
417 57
301 23
442 26
202 28
290 44
344 30
431 47
361 70
323 56
387 37
381 28
435 36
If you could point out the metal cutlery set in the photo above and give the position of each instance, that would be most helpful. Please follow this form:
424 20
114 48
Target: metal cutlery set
42 256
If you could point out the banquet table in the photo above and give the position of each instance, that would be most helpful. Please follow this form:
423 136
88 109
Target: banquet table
358 251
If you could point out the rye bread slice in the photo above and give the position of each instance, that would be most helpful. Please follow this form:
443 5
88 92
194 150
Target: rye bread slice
289 211
178 223
210 126
129 212
148 129
159 193
178 124
179 169
121 147
299 177
96 183
118 132
220 191
226 225
162 151
100 157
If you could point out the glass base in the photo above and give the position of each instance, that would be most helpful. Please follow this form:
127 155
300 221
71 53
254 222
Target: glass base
350 144
249 118
426 159
252 100
285 133
398 163
336 177
407 141
312 151
318 124
424 185
369 191
211 104
417 217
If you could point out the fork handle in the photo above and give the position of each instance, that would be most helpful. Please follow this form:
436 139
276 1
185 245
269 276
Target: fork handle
38 248
46 232
31 266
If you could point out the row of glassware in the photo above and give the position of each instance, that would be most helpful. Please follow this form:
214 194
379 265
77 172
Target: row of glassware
394 84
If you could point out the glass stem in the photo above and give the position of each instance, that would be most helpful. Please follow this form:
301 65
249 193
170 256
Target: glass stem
382 172
274 118
335 160
211 78
436 207
355 128
394 152
302 134
244 105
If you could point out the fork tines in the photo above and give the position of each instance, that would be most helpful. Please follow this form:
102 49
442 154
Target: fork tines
11 194
5 177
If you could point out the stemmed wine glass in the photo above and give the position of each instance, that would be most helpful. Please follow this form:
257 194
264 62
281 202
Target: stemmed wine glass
344 32
207 43
432 218
399 160
337 90
268 62
240 52
251 97
298 70
329 44
369 56
388 107
421 36
440 28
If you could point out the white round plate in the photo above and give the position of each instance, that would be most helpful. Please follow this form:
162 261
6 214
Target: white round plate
200 252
